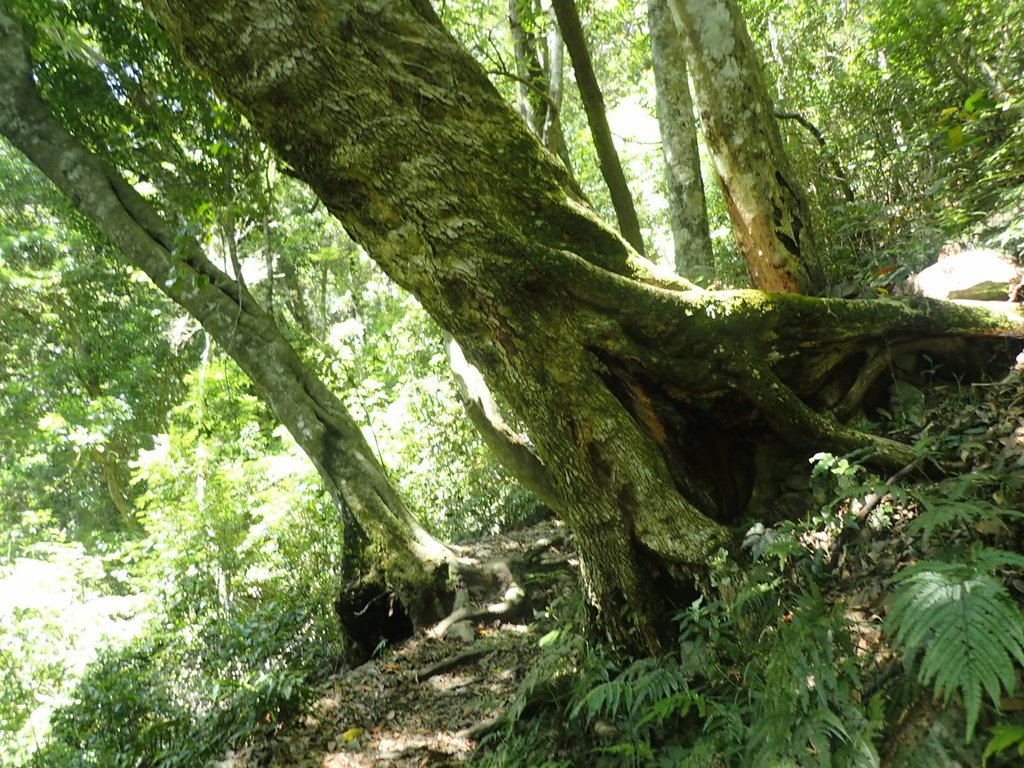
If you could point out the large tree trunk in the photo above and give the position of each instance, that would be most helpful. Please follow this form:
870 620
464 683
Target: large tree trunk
765 200
687 209
416 564
612 373
593 104
636 392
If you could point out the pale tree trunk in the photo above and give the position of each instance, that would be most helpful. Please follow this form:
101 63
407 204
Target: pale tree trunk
415 562
553 60
642 395
687 208
593 104
541 73
530 87
765 200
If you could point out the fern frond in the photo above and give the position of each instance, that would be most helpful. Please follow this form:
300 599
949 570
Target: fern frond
967 630
639 687
603 700
1004 737
941 513
990 560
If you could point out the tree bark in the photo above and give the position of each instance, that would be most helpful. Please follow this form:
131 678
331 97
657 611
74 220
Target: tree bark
687 209
553 60
637 390
512 449
314 416
593 104
765 200
530 86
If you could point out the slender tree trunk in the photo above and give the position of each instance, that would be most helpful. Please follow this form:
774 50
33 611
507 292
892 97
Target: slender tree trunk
415 562
765 200
687 209
593 104
269 257
541 73
530 86
553 59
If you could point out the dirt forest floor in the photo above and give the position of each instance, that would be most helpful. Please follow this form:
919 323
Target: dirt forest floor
427 701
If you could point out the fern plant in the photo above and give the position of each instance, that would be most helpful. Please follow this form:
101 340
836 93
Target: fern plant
952 512
806 693
1003 738
960 620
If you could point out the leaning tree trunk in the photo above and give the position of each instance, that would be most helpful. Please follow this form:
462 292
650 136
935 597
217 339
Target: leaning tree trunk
593 104
416 564
635 391
687 210
765 200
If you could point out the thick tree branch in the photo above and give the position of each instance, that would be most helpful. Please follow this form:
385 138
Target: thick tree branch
513 450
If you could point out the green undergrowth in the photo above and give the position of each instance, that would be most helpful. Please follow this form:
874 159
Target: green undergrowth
844 639
169 699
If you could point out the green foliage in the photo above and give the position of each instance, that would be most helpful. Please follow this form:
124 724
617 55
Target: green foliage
1004 737
929 144
186 702
961 621
951 516
88 373
57 603
766 675
241 555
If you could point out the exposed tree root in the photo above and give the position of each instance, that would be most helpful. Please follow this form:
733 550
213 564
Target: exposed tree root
451 662
512 600
881 360
477 731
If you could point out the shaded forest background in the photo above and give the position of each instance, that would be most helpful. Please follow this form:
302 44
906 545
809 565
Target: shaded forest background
169 557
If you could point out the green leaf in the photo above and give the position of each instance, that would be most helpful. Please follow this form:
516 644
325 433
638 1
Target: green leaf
967 630
979 100
1004 736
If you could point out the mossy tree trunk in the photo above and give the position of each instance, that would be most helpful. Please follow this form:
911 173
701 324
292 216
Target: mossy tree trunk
628 384
415 563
